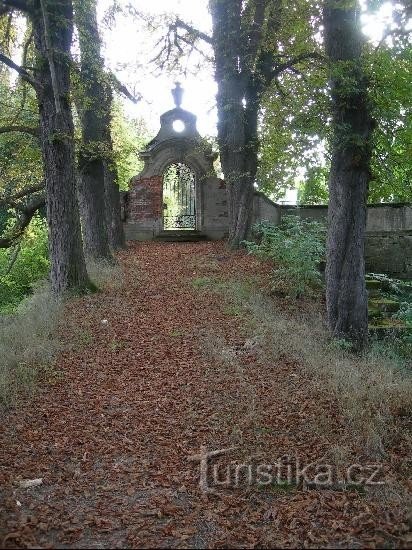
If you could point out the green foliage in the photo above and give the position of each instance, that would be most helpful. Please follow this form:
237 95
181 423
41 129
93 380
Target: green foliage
129 138
315 189
295 130
30 266
293 133
397 292
20 155
390 74
296 247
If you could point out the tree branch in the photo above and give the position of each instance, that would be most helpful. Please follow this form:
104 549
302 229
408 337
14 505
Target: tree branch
278 69
121 88
20 70
35 132
11 200
191 30
393 32
26 214
13 259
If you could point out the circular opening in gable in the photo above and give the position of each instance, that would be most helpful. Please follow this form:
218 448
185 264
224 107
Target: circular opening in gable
178 126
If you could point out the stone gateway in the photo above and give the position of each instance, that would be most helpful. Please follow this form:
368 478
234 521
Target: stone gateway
178 196
178 189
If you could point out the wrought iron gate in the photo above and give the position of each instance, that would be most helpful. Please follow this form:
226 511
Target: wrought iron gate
179 198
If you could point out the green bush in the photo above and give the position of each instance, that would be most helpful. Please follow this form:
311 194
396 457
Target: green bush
31 265
296 247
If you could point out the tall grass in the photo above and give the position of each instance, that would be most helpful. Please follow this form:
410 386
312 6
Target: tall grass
28 343
373 390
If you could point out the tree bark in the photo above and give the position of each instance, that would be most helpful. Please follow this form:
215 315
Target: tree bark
346 293
92 155
236 149
112 192
68 269
113 208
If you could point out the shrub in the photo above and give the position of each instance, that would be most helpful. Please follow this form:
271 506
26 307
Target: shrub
296 247
31 264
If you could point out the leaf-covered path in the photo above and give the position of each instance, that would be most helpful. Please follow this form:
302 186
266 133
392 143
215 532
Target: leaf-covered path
175 367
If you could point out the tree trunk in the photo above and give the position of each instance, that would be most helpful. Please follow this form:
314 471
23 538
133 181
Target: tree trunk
349 177
113 209
53 37
112 192
237 146
93 152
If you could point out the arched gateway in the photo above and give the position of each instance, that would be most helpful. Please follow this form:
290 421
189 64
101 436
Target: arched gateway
178 189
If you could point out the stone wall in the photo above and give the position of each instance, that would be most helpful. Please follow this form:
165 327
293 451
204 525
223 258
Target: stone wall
388 232
214 217
144 207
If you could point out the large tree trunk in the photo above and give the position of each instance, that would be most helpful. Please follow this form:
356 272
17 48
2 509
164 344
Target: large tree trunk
238 147
53 36
112 193
93 152
349 177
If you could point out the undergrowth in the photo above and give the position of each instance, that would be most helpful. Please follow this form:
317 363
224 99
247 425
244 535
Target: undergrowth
28 343
22 266
28 331
374 390
296 248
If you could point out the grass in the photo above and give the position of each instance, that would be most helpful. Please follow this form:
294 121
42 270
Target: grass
28 344
374 390
28 339
105 274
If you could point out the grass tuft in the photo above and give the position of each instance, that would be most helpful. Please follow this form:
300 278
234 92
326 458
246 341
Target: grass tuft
28 343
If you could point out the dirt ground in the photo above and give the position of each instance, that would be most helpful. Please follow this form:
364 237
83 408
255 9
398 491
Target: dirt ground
115 428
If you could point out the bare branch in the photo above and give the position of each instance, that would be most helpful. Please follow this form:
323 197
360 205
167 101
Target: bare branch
22 72
191 30
121 88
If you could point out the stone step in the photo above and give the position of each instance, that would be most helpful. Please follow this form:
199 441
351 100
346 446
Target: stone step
180 236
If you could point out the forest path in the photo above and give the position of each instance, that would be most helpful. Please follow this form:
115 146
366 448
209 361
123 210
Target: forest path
177 366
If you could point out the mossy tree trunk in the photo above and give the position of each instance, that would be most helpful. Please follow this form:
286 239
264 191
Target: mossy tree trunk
99 193
350 174
53 27
94 150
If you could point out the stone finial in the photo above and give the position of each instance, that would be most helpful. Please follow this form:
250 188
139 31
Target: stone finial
177 94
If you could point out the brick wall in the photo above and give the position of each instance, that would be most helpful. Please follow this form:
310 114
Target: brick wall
144 202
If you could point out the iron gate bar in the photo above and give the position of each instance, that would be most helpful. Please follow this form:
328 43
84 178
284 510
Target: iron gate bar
179 196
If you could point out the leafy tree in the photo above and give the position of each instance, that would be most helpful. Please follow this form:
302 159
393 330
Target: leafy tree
390 74
52 24
22 265
315 188
129 137
295 127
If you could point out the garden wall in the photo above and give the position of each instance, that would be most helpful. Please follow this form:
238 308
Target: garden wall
388 232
